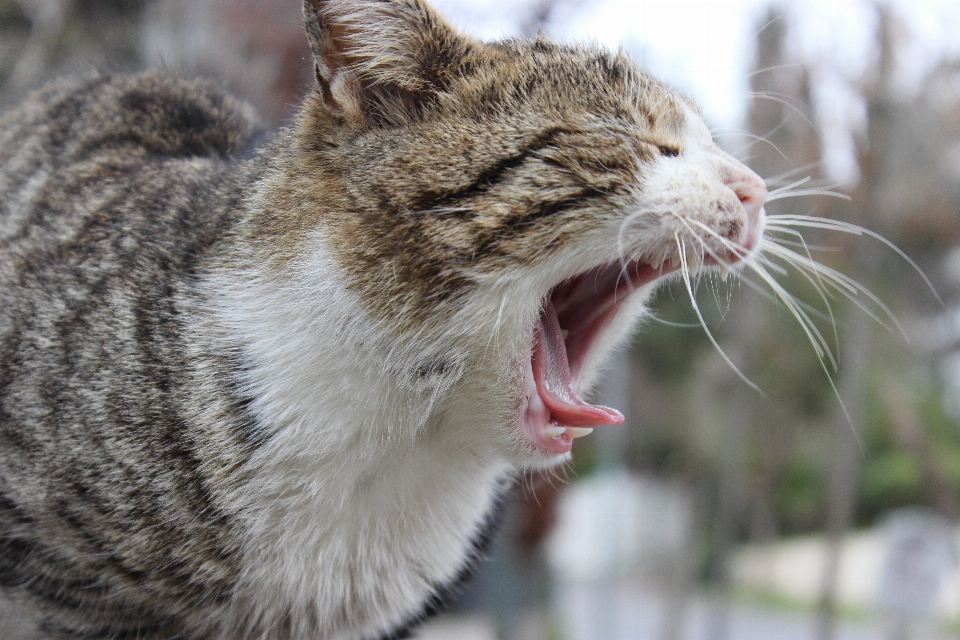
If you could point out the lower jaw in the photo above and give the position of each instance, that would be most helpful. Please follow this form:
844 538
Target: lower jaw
540 430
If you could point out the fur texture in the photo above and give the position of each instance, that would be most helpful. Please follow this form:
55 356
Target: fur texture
276 394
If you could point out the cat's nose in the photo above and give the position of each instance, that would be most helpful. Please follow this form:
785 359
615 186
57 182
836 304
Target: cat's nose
752 193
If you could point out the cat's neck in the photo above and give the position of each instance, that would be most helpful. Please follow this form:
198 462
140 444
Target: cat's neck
358 464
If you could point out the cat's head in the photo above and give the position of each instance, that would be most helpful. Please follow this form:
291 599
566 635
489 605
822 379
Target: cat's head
506 201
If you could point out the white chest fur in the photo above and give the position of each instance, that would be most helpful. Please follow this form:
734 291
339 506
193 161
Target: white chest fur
363 500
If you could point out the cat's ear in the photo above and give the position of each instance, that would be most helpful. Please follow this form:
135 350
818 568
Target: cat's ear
383 61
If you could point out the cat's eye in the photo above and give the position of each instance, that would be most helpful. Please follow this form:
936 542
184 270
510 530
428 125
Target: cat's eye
669 152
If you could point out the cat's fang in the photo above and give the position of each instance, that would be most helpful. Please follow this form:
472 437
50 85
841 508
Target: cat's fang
554 430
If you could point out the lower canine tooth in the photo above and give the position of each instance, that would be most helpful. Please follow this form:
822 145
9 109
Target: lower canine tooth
552 430
578 432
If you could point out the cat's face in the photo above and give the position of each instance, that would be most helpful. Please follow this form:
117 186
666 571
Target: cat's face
515 193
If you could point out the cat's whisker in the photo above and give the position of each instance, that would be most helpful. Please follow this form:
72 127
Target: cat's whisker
760 265
822 278
814 336
776 67
816 339
803 245
789 174
682 251
814 222
835 276
653 317
814 278
784 99
757 138
495 333
772 266
767 295
802 307
824 191
789 187
839 282
769 23
737 249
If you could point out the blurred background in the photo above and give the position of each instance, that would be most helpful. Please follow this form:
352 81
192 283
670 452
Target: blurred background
824 506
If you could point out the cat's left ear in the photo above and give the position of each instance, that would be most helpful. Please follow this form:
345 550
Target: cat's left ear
383 61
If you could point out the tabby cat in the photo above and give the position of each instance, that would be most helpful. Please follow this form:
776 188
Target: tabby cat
275 392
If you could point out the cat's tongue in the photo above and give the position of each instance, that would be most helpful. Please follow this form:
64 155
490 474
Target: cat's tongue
551 372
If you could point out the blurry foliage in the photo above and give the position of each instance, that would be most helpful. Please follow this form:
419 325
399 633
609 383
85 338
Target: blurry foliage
891 478
800 496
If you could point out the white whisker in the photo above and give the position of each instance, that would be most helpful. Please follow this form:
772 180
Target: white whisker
806 323
842 283
814 279
788 174
681 325
756 138
775 67
495 335
788 220
782 98
685 273
794 185
825 191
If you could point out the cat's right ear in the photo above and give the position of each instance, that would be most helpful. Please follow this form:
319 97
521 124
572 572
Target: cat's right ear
381 62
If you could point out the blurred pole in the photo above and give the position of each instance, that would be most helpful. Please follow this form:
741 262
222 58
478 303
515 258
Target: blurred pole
863 265
610 445
611 440
733 447
845 465
676 600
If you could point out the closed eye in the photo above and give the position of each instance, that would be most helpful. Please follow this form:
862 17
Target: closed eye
669 152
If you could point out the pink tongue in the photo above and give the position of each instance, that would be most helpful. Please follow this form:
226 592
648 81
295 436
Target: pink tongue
551 372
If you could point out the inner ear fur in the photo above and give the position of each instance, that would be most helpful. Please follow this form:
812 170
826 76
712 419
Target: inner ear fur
383 61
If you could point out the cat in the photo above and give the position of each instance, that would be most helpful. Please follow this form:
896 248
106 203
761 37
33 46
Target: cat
276 390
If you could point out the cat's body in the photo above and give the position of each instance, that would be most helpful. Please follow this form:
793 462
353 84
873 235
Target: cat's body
276 394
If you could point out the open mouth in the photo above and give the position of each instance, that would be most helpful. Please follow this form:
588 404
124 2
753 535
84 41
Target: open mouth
573 317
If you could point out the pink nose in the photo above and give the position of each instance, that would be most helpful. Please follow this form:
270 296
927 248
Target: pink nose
752 193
